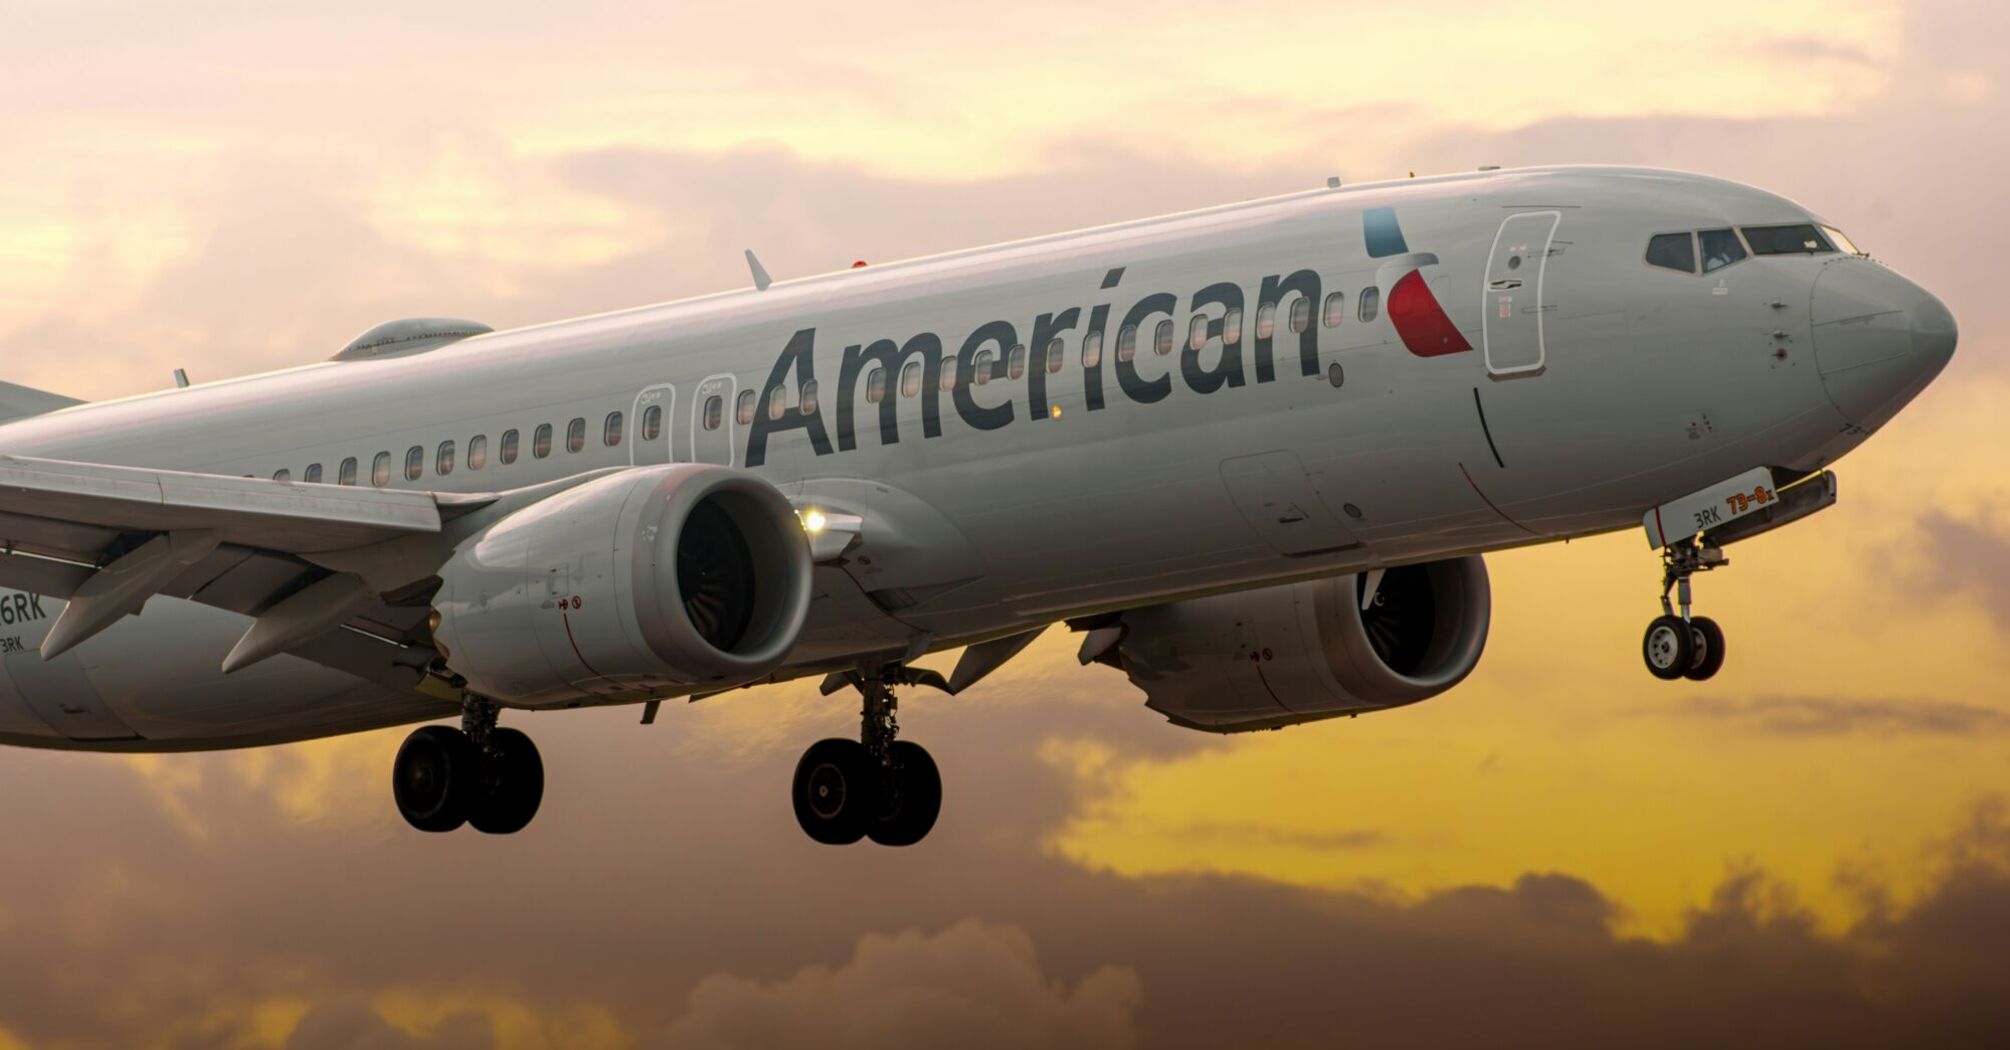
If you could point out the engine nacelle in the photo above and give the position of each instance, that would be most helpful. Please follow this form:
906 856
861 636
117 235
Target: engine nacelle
649 580
1305 651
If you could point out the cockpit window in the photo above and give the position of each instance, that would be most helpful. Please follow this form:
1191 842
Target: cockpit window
1672 251
1800 239
1721 248
1837 238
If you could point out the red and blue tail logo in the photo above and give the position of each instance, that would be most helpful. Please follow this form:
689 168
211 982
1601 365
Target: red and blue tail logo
1425 328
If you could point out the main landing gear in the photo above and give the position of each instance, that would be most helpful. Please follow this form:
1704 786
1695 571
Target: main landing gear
875 787
488 778
1681 645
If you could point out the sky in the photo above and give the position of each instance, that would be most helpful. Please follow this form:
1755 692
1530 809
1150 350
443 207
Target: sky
1813 849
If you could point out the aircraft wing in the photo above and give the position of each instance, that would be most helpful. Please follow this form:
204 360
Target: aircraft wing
107 538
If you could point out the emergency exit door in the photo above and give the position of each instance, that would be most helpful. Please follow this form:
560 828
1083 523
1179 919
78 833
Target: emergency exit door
654 407
1516 306
713 415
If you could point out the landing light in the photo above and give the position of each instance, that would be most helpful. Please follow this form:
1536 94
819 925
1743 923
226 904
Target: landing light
813 522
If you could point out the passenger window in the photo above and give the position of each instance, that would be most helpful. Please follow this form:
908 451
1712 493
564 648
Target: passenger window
380 470
1092 349
347 474
282 474
415 463
1266 320
1370 305
652 423
1721 248
809 396
1162 338
1301 314
313 475
1015 363
1802 239
1336 310
1672 251
743 409
778 404
540 441
875 386
910 379
478 452
508 449
980 367
1196 332
1057 354
610 431
1127 343
715 410
575 434
948 373
444 462
1231 326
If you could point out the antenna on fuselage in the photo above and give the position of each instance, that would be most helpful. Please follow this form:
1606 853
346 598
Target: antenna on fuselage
761 278
181 378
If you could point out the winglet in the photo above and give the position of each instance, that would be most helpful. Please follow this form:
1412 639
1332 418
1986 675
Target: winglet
761 278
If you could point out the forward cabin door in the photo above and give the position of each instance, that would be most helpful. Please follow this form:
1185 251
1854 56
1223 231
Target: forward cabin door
712 421
654 407
1516 306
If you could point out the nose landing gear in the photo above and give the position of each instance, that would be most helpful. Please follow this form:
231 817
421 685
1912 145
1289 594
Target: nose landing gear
875 787
488 778
1679 645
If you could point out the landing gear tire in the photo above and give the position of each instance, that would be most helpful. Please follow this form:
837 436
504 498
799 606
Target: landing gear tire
435 778
1707 655
910 799
837 791
1669 648
512 784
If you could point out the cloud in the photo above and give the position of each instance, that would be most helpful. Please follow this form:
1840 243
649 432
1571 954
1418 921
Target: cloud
974 985
1810 716
351 1023
1966 557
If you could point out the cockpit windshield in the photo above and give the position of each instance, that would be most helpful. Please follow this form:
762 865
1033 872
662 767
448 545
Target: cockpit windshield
1798 239
1841 241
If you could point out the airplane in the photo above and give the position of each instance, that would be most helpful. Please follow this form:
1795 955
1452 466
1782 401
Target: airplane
1254 455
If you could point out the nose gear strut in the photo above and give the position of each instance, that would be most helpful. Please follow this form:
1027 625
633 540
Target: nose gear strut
1678 644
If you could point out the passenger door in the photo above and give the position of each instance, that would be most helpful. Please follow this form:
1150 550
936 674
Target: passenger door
1516 303
654 407
712 421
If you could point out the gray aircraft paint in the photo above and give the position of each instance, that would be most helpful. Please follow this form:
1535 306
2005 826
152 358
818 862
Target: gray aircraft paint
988 512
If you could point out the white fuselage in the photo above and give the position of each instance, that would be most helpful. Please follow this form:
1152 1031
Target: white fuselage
1595 386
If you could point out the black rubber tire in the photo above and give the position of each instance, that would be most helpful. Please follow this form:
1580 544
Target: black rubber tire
512 784
909 809
435 778
1708 657
836 791
1668 648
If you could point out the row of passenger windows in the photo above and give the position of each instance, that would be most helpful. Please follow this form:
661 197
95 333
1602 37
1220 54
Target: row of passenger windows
1367 306
1720 248
508 448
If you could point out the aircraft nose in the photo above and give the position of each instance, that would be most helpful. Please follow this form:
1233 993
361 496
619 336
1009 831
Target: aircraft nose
1879 339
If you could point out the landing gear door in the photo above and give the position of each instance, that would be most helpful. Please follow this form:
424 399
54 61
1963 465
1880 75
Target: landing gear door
1515 307
654 407
712 421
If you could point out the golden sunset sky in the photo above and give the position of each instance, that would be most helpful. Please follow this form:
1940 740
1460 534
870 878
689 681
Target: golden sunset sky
1811 849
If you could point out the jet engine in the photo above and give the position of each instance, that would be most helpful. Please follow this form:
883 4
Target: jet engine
651 580
1305 651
